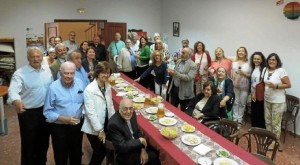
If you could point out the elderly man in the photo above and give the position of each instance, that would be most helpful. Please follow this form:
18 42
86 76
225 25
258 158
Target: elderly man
71 42
185 44
131 147
61 52
157 37
80 73
63 109
114 49
57 40
181 87
135 45
126 60
27 92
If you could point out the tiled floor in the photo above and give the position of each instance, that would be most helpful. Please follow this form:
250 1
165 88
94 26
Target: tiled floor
10 145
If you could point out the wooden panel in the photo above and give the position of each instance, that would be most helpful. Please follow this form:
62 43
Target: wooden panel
111 28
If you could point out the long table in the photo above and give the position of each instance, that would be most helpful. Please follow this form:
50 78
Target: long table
172 151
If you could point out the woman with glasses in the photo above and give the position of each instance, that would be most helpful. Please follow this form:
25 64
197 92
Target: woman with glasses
160 69
258 63
276 81
240 76
98 109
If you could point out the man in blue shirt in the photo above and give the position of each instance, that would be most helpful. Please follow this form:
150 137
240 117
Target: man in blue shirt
27 92
63 109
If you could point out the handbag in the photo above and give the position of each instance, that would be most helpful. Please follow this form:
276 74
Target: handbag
260 89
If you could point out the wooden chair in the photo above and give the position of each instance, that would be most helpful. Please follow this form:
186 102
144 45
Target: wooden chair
229 129
289 117
263 139
110 149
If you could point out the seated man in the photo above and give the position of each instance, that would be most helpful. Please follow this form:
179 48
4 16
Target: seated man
131 147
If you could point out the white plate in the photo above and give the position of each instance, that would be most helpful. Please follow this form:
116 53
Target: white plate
191 139
152 117
225 154
133 93
138 99
169 114
141 95
167 121
204 161
152 110
221 160
120 88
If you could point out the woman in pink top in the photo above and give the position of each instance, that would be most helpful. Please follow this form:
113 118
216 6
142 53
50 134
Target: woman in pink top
220 60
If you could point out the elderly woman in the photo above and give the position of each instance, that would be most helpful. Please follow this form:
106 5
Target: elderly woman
98 109
220 60
203 61
276 81
48 60
205 104
90 62
258 63
240 75
160 69
225 91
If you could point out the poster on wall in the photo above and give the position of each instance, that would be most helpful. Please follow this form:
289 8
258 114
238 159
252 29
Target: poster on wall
35 40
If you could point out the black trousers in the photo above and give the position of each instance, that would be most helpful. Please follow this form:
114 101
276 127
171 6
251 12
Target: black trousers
67 143
35 133
258 114
131 74
99 151
175 101
134 157
144 82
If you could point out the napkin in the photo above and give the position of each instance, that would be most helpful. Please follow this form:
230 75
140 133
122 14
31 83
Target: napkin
202 149
121 93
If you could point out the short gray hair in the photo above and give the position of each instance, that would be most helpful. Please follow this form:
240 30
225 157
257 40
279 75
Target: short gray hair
70 55
59 45
31 49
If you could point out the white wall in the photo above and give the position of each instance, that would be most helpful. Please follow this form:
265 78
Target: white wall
16 16
258 25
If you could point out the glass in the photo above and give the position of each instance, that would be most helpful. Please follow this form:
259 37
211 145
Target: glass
161 110
112 80
147 102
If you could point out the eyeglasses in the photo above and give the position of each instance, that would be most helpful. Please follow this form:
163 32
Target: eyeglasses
126 109
69 73
269 76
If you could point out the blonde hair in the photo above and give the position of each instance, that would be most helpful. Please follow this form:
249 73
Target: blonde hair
216 55
153 57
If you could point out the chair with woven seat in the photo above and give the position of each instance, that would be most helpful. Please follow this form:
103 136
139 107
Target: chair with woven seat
289 117
264 140
229 129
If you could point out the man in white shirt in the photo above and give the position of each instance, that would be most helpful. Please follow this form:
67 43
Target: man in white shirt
126 61
135 45
71 43
27 92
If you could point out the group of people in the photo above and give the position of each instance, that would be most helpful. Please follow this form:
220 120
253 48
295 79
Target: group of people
67 94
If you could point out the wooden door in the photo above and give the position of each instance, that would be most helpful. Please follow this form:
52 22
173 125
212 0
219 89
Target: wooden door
51 29
110 28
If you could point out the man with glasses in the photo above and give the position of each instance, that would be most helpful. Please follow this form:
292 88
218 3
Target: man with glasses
63 110
123 131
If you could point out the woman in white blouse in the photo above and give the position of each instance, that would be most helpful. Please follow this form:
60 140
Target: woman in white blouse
240 75
203 61
98 108
258 62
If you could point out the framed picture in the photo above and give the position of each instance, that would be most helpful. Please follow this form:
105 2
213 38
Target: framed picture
176 29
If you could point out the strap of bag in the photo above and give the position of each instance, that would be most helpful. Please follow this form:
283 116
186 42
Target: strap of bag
200 61
261 78
117 48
